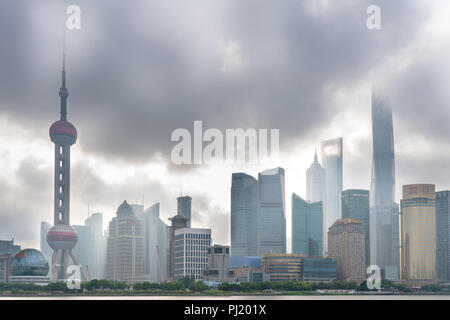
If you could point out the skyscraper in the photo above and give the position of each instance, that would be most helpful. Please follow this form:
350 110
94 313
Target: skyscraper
244 205
95 224
184 208
271 219
125 247
90 247
44 247
191 252
384 220
418 218
62 238
155 244
332 160
443 236
315 181
355 205
346 245
177 222
306 227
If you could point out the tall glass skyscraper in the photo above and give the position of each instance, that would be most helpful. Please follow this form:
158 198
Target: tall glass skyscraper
443 236
384 218
244 204
332 159
155 244
306 227
315 181
355 205
271 212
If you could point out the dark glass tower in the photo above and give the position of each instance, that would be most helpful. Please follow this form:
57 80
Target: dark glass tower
384 219
354 204
244 201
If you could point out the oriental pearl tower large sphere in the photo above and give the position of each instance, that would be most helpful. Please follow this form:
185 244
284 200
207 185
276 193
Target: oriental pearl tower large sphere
62 238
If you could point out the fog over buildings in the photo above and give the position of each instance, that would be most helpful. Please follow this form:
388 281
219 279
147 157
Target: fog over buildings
137 72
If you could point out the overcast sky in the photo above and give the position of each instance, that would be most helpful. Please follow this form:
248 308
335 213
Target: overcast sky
137 70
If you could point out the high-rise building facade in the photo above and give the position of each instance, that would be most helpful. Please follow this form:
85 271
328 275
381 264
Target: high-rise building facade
177 222
306 227
125 247
271 218
443 236
191 252
418 225
384 213
244 206
184 208
90 246
97 262
346 245
332 160
354 204
44 247
315 182
218 268
317 269
155 244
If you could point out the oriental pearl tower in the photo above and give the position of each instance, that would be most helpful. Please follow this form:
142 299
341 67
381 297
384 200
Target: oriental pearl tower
62 238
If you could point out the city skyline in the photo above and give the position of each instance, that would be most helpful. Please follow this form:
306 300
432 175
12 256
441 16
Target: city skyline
108 168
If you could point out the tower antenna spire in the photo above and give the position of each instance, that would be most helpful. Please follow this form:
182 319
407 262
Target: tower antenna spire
63 92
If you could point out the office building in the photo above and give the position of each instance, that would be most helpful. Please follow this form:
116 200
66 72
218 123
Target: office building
191 252
125 247
155 244
90 246
5 260
97 261
271 218
244 205
418 222
318 269
443 236
283 266
346 245
177 222
354 204
315 181
306 227
8 247
44 247
384 212
332 160
218 267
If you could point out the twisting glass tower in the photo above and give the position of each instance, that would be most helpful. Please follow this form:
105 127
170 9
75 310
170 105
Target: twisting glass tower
62 238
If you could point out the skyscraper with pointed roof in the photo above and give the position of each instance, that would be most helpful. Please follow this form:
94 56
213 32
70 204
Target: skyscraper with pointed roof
315 181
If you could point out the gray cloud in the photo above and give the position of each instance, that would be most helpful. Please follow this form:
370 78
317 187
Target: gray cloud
136 72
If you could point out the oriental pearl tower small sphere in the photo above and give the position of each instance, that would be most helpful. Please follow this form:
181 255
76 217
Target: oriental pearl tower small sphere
62 236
